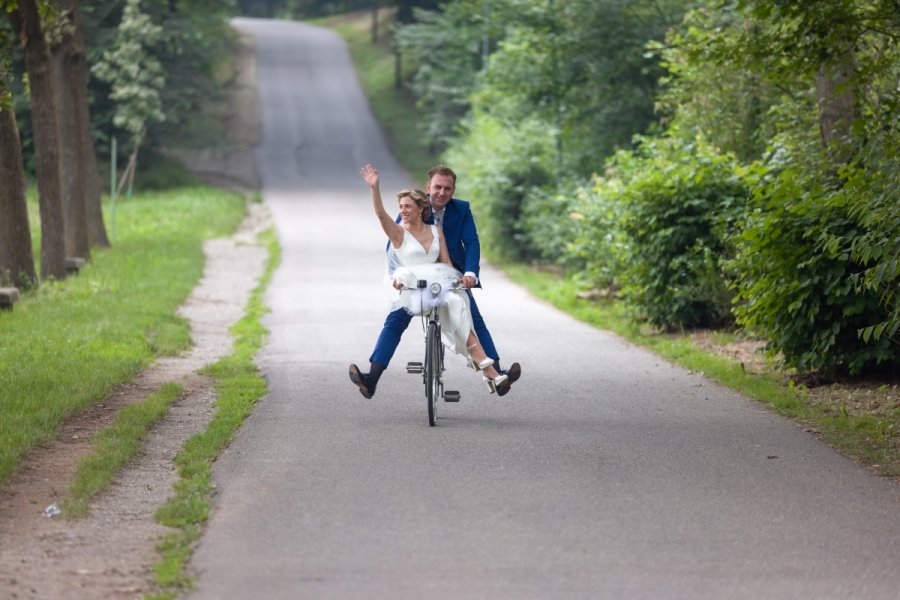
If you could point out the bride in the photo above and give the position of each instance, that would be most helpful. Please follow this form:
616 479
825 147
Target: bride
418 251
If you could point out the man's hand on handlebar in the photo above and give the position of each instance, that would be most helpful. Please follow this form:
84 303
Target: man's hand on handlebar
468 281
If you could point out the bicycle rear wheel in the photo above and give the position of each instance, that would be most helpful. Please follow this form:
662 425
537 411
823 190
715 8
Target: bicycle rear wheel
433 366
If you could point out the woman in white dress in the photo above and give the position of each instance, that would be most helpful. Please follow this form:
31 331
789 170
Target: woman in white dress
418 251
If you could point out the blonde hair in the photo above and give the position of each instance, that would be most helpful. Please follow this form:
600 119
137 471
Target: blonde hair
421 200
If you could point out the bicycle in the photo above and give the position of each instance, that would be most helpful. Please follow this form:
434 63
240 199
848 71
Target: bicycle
432 368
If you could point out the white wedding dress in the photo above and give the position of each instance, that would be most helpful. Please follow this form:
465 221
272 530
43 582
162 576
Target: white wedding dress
413 263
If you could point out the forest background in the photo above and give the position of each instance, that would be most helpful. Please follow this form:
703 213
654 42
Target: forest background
727 164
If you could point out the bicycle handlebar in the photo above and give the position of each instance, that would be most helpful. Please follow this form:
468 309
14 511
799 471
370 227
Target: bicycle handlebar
421 284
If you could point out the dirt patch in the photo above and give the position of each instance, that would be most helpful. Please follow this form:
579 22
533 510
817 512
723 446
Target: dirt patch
108 554
856 397
747 352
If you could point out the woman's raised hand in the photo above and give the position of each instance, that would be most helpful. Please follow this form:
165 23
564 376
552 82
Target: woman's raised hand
370 174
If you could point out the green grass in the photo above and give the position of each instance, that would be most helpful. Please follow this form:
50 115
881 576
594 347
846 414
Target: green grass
114 447
238 386
394 108
68 343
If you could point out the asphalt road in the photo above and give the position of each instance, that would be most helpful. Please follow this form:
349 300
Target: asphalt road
605 473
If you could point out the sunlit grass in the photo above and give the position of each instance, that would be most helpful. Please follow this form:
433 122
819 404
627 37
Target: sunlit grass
113 447
66 344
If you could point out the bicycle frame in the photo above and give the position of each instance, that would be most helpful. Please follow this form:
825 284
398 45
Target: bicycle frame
432 368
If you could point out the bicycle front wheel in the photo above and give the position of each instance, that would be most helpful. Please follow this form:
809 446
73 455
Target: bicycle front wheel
433 370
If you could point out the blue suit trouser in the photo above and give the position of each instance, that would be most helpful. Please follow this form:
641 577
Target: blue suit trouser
397 322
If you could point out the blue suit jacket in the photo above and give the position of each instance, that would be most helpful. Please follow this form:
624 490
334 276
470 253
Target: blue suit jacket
461 237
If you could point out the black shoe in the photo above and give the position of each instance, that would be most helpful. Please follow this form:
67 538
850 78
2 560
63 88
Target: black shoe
363 382
512 375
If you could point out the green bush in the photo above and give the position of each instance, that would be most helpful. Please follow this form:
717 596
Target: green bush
547 224
871 195
682 200
796 288
161 172
499 168
599 244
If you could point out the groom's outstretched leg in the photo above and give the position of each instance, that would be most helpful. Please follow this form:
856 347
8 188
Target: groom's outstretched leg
394 326
389 338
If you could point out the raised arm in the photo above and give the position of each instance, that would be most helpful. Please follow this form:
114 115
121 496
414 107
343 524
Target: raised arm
393 230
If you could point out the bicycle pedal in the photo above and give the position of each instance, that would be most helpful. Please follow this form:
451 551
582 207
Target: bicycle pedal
451 396
415 367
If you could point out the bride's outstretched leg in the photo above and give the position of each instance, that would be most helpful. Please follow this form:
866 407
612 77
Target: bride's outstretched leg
481 360
478 357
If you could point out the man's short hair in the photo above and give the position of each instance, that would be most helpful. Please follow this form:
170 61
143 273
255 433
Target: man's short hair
442 170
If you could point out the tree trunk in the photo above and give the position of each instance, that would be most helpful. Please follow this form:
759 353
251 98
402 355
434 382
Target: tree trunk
836 97
68 63
26 23
16 256
96 229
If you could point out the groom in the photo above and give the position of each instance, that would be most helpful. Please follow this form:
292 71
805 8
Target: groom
454 216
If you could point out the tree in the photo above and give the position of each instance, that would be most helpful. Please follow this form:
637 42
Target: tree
27 25
443 79
74 124
16 257
817 41
580 66
406 8
73 51
816 260
136 77
195 40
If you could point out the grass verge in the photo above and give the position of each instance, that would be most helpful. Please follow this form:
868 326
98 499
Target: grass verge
114 447
238 386
68 343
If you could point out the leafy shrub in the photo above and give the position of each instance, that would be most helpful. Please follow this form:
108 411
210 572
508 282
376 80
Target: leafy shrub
796 286
499 167
599 244
871 194
547 224
681 201
878 248
158 171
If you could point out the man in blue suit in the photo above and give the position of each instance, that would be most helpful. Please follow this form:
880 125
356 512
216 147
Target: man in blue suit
454 216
